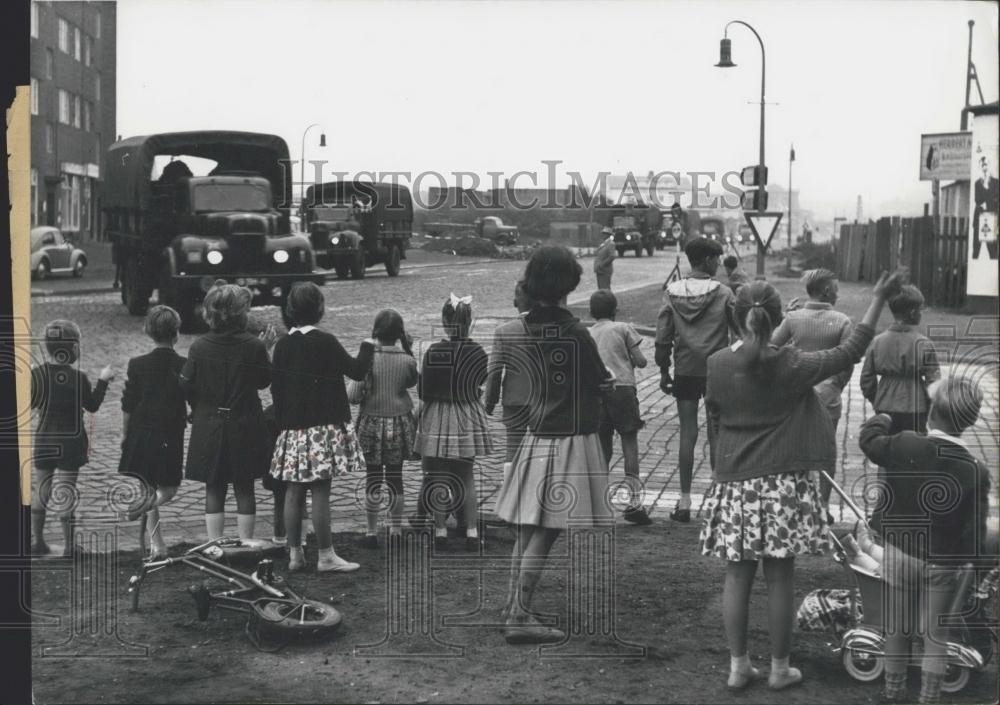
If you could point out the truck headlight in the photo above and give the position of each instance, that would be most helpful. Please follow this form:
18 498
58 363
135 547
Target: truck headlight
280 256
193 256
214 257
628 237
335 239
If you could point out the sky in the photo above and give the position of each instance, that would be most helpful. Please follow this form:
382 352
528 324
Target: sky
629 85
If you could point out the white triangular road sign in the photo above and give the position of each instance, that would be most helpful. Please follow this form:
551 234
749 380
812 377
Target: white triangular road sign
763 225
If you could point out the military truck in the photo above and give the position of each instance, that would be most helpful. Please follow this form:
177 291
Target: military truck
635 227
354 225
178 233
492 228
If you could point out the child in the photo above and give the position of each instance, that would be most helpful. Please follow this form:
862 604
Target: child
61 393
154 415
386 426
316 438
453 429
926 540
619 344
561 448
229 443
772 432
899 366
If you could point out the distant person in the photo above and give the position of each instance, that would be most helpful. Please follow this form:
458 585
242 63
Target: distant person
900 365
619 343
736 276
814 327
174 172
604 259
694 322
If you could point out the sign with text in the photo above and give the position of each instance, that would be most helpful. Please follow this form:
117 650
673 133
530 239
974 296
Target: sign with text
945 156
763 225
984 206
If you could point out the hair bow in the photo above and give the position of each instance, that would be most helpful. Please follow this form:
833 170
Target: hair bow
456 300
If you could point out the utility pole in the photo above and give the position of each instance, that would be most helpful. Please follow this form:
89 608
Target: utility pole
788 254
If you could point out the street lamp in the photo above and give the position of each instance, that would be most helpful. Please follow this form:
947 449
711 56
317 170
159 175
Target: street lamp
302 174
726 62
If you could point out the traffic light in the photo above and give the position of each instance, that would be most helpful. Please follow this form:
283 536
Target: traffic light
754 200
752 176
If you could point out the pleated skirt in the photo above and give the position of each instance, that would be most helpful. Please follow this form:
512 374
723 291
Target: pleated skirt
453 430
557 483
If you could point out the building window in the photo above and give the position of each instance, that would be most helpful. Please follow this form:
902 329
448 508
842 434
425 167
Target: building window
34 95
76 111
76 43
97 149
50 62
69 203
34 20
63 36
97 24
34 190
65 108
85 206
97 86
86 115
48 137
88 47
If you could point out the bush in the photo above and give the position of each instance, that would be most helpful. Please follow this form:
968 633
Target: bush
817 255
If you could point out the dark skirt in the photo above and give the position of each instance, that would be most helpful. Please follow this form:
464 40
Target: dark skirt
154 455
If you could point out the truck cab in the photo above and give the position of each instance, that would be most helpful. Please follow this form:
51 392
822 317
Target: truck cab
179 233
631 229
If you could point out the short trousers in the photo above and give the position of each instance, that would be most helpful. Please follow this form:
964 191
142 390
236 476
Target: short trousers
689 388
620 411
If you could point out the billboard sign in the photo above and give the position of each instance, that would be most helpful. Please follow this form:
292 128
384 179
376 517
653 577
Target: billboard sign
945 156
984 206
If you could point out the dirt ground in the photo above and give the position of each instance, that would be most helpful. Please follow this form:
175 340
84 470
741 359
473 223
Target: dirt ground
667 617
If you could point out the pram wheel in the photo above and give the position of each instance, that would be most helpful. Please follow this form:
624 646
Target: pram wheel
955 679
863 666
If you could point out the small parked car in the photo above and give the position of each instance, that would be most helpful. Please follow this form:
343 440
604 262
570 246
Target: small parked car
51 253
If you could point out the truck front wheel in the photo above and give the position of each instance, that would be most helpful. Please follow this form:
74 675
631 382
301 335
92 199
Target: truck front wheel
392 261
649 249
358 265
638 251
342 269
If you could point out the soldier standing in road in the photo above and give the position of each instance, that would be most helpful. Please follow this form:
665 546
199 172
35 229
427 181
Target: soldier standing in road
604 260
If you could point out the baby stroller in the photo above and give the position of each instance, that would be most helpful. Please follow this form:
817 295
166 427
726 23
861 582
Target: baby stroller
862 646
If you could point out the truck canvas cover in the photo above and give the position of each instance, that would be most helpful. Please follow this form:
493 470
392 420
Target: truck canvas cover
130 162
391 201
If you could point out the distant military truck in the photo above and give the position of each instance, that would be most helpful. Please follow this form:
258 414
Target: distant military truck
492 228
635 227
178 233
354 225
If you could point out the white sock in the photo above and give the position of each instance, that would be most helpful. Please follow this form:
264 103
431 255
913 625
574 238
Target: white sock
506 468
739 664
441 533
779 665
472 533
685 501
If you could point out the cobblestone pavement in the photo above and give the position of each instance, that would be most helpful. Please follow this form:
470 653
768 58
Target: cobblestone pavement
111 335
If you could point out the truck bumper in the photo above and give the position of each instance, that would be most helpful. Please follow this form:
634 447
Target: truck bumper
265 287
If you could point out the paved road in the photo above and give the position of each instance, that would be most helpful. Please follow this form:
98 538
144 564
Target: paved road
111 335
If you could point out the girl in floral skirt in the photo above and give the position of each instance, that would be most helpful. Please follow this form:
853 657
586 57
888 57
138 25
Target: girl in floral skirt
386 425
771 432
316 438
453 427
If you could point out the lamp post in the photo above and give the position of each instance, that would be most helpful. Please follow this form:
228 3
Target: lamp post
302 174
725 62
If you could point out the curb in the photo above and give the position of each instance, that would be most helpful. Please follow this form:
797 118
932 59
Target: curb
42 293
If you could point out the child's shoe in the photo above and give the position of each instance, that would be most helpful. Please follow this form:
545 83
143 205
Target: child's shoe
330 562
740 679
370 541
782 678
296 559
279 540
637 515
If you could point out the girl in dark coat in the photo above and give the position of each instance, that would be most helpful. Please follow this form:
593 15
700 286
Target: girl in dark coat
154 415
229 440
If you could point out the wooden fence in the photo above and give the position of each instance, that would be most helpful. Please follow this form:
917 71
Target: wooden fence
934 250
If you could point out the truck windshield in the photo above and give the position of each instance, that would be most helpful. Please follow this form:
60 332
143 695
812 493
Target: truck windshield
336 214
624 221
231 197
